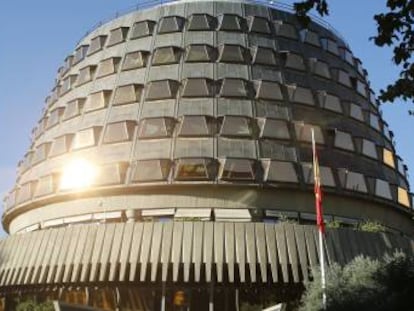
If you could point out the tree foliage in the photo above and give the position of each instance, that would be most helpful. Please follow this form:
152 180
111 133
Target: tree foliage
395 29
365 284
31 305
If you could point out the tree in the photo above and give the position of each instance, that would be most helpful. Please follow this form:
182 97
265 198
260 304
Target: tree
365 284
395 28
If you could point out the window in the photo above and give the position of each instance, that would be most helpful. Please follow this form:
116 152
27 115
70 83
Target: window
352 180
156 127
73 108
25 192
195 169
198 87
326 175
97 44
162 89
356 112
268 90
200 53
271 110
330 46
285 30
374 121
293 60
80 54
46 185
276 171
54 117
382 189
68 84
232 214
234 88
360 69
238 148
97 100
231 22
86 138
142 29
118 35
301 95
388 157
153 149
304 132
346 55
127 94
108 66
361 88
151 170
343 78
276 129
231 53
238 170
259 25
119 132
275 150
401 166
86 74
310 37
61 145
171 24
166 55
403 197
369 149
236 126
199 22
329 101
343 140
67 64
40 153
264 56
135 60
197 126
112 174
319 68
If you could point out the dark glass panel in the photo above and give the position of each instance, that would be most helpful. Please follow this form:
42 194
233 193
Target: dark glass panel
238 169
142 29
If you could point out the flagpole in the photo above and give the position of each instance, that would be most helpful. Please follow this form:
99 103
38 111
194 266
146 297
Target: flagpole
321 252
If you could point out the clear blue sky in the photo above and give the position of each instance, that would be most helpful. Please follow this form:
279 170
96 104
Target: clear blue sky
37 35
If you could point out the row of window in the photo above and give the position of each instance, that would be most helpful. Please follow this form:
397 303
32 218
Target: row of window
205 53
225 169
205 22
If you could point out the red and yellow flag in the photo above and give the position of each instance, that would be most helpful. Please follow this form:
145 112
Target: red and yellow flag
317 188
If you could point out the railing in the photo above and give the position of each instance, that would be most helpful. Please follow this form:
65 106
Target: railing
145 4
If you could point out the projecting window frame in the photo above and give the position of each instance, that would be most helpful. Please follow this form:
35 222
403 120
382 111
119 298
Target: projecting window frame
319 68
67 84
259 24
45 185
127 94
86 138
25 192
355 112
197 126
112 174
41 153
264 56
108 66
326 175
303 132
268 90
198 87
310 37
300 95
273 128
154 128
369 149
382 189
236 126
232 53
80 54
161 89
342 77
155 170
330 102
97 44
343 140
74 108
61 145
54 117
388 157
201 22
374 121
269 109
276 150
170 24
346 55
293 60
403 197
286 30
234 88
330 46
231 22
166 55
279 172
97 100
119 132
237 169
200 53
86 74
195 169
142 29
352 181
117 36
135 60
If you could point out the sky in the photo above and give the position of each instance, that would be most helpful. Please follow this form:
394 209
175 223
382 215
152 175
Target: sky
36 36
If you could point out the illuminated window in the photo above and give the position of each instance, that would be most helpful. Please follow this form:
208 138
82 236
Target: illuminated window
237 169
200 53
195 169
300 95
352 180
264 56
108 66
304 133
199 22
388 157
268 90
198 87
97 100
97 44
235 126
156 127
151 170
118 35
403 197
61 145
276 129
86 138
231 22
285 30
119 132
166 55
86 74
277 171
259 25
162 89
326 175
196 126
271 149
135 60
231 87
127 94
171 24
231 53
142 29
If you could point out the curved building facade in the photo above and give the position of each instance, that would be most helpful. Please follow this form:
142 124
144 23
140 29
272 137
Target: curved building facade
174 147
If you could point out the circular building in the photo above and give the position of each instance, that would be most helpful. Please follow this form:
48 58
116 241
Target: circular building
172 165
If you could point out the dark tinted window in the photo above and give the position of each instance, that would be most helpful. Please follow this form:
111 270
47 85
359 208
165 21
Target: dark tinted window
234 88
171 24
230 22
201 22
195 169
163 89
236 126
118 35
268 90
197 87
142 29
238 169
232 54
259 25
166 55
280 172
264 56
200 53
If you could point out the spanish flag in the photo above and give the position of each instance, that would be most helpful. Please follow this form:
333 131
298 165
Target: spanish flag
317 187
